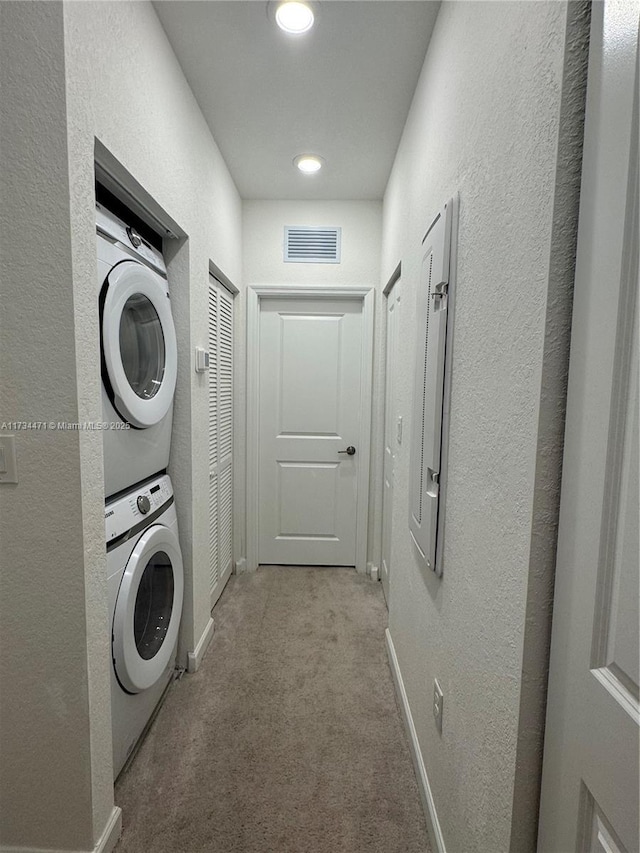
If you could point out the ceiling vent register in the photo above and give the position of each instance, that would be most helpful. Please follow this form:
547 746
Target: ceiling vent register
309 245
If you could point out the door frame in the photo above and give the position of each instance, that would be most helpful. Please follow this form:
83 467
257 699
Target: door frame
396 275
255 294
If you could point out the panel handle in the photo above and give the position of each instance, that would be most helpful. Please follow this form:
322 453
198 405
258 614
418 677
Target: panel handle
350 450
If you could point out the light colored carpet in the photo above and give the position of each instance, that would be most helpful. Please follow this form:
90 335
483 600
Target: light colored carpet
288 739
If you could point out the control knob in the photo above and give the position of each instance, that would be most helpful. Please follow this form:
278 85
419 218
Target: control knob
144 504
134 237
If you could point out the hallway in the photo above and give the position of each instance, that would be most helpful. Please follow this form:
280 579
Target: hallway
488 467
288 738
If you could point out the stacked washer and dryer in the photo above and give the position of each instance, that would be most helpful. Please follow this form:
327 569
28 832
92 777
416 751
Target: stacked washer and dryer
144 563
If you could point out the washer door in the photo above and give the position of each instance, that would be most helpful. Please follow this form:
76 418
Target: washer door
139 344
148 608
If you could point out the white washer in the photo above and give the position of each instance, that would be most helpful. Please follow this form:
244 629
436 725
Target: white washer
138 354
145 585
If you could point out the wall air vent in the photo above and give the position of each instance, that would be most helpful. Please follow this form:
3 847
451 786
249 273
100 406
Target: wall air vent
308 245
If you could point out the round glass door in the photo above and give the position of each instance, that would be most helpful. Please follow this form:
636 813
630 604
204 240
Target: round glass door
139 344
154 603
148 609
142 346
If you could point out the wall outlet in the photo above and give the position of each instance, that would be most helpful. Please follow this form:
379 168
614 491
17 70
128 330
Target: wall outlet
438 702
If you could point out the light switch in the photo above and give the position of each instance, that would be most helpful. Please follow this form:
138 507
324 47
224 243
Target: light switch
202 360
8 462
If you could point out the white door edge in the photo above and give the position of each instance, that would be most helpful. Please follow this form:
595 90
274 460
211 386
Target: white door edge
255 293
390 296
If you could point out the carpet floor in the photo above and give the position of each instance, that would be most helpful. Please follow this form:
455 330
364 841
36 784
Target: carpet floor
288 739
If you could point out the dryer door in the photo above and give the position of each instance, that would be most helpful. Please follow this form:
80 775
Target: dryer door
138 344
147 611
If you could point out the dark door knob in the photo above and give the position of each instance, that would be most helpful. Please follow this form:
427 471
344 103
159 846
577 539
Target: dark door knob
350 450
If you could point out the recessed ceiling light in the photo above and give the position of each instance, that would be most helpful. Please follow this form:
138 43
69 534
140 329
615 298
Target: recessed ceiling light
308 163
295 17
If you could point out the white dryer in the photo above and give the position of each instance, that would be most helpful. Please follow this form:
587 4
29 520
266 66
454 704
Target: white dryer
138 354
145 585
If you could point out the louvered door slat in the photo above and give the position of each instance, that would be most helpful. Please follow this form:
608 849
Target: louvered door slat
226 375
220 436
213 376
214 561
226 526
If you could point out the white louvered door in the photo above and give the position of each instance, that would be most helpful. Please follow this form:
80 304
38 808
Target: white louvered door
220 437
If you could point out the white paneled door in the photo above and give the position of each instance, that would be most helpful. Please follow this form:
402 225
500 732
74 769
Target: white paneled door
392 436
220 437
590 786
310 427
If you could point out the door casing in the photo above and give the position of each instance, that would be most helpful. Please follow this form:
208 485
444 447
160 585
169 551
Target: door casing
254 295
387 494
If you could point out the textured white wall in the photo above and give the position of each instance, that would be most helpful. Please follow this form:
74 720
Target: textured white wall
484 121
125 88
56 787
361 223
263 236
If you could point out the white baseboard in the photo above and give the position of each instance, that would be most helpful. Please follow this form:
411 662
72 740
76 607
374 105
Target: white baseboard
194 658
111 834
241 566
428 804
106 843
373 572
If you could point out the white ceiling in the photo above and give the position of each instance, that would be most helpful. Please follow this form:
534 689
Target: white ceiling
342 90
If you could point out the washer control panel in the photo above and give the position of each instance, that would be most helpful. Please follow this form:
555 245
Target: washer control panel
126 512
109 224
